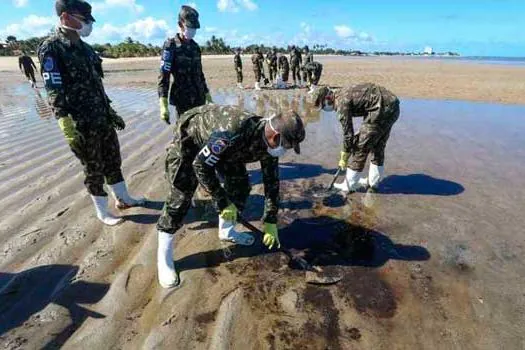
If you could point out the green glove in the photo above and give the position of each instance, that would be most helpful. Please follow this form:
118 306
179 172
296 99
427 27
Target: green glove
229 213
343 161
116 120
164 110
208 98
271 236
73 137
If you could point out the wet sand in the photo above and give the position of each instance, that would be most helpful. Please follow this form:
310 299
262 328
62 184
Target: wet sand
438 267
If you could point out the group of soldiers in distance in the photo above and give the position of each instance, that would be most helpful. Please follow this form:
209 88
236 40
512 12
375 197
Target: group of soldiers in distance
305 71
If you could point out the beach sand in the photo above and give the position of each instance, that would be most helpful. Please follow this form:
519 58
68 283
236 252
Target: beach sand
446 228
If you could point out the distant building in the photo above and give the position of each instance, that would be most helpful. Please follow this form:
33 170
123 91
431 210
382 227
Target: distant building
428 50
3 45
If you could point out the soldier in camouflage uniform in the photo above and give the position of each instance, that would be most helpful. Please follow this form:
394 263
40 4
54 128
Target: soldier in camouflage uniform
313 71
237 62
380 110
284 67
258 67
26 65
181 58
271 61
215 139
308 58
72 73
296 62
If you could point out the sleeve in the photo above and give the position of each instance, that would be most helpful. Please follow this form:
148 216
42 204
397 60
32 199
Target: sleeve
205 164
343 114
270 172
52 76
20 63
202 77
163 82
32 62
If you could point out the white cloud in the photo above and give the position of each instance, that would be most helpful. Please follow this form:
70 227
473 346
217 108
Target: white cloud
236 5
20 3
147 29
210 29
192 4
30 26
344 32
112 4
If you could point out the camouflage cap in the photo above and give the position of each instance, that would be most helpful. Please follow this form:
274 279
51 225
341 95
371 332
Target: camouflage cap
74 6
189 17
319 95
291 128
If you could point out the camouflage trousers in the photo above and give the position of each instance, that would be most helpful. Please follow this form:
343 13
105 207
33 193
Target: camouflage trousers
99 153
183 183
373 138
296 73
272 71
239 75
315 76
284 74
258 74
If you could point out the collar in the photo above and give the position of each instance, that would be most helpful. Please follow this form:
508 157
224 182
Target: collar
63 38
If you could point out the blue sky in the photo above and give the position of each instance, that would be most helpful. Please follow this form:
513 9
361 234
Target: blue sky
471 27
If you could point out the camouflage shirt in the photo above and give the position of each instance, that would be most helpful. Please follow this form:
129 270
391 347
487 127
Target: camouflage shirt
308 57
365 100
227 134
296 58
26 62
271 59
237 61
72 74
257 60
182 59
283 63
313 67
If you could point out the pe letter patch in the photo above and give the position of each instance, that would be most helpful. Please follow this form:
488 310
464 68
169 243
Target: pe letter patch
51 74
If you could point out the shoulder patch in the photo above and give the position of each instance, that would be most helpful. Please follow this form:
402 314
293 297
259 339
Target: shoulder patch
165 63
49 64
218 146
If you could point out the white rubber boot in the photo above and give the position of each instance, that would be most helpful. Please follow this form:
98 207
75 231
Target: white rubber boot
227 233
239 85
312 89
101 207
257 86
165 267
375 175
351 182
122 198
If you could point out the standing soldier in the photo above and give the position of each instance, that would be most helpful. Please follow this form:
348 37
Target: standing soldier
258 68
380 110
271 60
181 58
308 58
237 61
284 67
313 71
215 139
72 74
26 65
296 62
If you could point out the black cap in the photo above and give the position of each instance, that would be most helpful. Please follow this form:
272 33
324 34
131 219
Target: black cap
74 6
291 128
189 17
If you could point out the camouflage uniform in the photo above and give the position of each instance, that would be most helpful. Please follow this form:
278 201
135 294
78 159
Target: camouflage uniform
238 66
313 71
72 73
284 67
27 64
258 68
308 58
271 60
296 62
379 109
214 138
182 59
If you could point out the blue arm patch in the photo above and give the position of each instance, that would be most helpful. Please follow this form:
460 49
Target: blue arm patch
165 63
50 73
211 153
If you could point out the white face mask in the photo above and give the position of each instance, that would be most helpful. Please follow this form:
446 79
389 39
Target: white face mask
189 33
85 29
278 151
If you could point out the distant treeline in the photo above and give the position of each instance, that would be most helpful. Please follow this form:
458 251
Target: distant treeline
213 46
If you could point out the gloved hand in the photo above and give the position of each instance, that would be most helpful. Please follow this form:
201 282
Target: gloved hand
116 120
73 137
343 161
271 236
164 110
208 98
229 213
239 69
